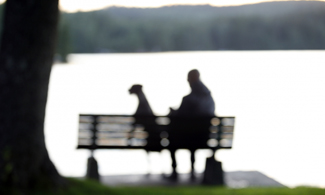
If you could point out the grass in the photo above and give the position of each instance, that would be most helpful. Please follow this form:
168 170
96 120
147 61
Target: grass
86 187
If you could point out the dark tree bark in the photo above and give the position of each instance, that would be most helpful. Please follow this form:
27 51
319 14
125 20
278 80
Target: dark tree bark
26 56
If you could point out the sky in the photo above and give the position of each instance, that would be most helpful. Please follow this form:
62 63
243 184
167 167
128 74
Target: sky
87 5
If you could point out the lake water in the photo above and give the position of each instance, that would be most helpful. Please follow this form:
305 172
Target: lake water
277 97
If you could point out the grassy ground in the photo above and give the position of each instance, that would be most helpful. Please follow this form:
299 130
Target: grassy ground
80 187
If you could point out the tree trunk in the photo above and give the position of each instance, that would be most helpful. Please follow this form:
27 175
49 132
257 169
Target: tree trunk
26 56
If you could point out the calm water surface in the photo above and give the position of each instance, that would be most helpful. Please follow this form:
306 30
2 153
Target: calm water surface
277 97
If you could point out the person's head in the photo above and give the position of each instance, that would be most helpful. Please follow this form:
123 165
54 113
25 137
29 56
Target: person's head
135 89
193 76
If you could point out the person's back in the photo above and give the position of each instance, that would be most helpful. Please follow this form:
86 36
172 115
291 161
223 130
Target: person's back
199 102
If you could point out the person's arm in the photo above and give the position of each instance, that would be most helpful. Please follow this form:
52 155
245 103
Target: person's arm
187 106
172 112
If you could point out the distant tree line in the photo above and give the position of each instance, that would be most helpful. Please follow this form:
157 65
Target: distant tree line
265 26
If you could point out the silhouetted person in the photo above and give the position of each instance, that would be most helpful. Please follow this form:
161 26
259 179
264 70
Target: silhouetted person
197 104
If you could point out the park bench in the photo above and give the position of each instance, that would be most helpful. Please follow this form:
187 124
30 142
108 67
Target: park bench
154 133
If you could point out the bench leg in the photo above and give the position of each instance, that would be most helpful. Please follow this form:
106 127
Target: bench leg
92 169
192 164
174 174
149 164
213 174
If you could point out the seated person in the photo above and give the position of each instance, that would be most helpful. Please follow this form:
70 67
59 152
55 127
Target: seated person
198 103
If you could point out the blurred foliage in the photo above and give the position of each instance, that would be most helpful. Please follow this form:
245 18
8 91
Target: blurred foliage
64 44
264 26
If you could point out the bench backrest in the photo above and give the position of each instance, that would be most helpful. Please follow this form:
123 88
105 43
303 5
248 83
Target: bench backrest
154 133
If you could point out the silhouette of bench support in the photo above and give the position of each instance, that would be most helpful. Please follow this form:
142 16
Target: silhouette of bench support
92 168
213 173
